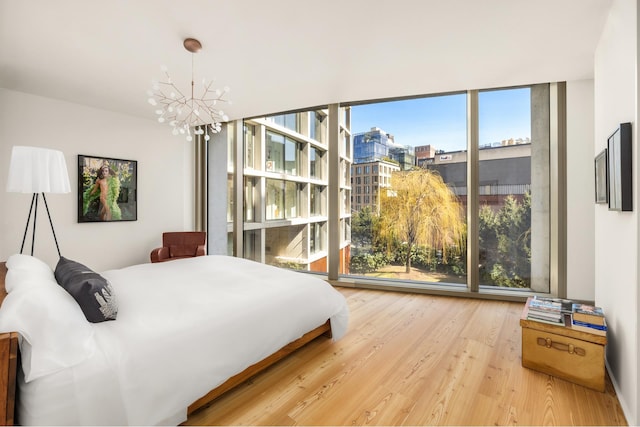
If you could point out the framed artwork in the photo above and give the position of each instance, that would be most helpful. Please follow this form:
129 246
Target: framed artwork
602 187
107 189
619 169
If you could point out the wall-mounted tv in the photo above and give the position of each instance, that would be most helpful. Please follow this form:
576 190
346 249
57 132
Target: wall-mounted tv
620 179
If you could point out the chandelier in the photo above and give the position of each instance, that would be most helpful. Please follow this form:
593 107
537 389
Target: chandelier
189 116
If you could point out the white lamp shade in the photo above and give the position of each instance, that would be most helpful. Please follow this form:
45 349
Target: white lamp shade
37 170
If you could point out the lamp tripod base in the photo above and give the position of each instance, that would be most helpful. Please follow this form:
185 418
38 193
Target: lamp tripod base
34 209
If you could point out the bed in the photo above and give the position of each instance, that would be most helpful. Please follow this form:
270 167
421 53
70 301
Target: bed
186 331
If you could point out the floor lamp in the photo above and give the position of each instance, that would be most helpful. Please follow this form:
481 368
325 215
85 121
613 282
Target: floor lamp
37 171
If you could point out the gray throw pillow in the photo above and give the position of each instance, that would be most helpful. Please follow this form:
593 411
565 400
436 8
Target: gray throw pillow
92 292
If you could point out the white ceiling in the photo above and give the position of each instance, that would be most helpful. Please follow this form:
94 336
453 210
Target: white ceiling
279 55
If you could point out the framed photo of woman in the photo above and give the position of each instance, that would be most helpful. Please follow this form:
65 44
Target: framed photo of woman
107 189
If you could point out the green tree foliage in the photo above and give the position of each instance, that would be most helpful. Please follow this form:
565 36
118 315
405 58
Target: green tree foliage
505 244
367 262
362 229
419 209
366 257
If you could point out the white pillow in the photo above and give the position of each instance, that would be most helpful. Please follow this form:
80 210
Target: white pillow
55 334
26 270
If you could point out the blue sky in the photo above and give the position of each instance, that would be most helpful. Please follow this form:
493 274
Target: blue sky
441 120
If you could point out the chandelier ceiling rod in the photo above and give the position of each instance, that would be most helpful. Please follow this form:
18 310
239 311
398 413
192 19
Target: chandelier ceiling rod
193 46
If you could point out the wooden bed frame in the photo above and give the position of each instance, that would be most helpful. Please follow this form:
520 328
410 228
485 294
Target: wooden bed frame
9 365
238 379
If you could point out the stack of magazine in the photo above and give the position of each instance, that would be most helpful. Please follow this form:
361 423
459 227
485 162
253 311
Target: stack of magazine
588 318
546 310
582 317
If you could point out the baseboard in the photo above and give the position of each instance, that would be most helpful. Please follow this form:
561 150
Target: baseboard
626 409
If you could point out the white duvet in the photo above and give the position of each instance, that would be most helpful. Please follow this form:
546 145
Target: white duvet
183 328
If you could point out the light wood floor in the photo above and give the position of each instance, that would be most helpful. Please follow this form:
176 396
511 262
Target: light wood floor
414 360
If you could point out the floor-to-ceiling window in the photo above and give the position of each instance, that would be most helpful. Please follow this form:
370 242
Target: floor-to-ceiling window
513 188
409 218
417 229
285 194
402 190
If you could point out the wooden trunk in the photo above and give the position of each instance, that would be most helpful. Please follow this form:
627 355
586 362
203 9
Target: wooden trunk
563 352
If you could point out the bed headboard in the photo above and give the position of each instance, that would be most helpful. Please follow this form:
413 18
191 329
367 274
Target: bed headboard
8 364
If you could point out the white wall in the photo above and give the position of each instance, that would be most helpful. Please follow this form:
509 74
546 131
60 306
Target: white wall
616 233
164 181
580 191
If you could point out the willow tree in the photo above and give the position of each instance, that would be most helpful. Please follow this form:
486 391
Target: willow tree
419 209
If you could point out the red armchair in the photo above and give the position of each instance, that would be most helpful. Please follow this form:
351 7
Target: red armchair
181 244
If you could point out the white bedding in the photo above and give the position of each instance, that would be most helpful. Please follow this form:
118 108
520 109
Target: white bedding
183 328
